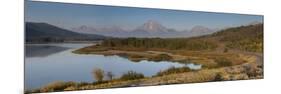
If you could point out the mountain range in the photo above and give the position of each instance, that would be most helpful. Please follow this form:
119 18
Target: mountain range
149 29
44 32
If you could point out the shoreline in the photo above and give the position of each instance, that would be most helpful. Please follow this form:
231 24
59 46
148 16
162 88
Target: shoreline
206 58
238 72
210 72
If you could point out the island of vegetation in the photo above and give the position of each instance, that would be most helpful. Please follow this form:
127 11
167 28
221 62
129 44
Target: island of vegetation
230 54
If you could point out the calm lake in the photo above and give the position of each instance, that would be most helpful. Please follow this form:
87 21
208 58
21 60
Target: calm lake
45 63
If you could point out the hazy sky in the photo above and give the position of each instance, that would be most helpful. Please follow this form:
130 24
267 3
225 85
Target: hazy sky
74 15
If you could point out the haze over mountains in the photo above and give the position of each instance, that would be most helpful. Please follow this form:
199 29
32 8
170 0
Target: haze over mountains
44 32
149 29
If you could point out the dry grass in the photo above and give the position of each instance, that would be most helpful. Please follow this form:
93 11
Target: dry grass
206 58
237 72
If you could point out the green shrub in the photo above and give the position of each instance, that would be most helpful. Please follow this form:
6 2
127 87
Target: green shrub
131 75
173 70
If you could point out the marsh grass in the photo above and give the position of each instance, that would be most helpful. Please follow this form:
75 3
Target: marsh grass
161 57
223 62
57 86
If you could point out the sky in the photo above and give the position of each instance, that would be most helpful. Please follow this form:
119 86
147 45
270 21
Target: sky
69 16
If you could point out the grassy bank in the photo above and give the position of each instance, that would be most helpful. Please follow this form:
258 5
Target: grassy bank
209 59
170 76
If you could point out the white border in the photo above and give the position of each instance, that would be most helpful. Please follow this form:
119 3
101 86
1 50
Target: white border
11 68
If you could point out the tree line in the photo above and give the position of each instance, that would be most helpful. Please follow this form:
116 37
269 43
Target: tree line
163 43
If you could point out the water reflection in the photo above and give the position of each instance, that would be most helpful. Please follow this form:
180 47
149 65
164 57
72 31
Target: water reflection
193 66
56 62
42 50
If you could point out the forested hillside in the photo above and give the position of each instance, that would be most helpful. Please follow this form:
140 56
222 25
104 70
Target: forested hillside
246 38
44 32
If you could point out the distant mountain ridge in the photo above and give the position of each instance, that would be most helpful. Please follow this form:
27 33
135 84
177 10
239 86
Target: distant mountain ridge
148 29
151 27
44 32
47 32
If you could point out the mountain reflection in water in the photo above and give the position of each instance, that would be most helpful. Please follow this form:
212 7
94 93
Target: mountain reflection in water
42 50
